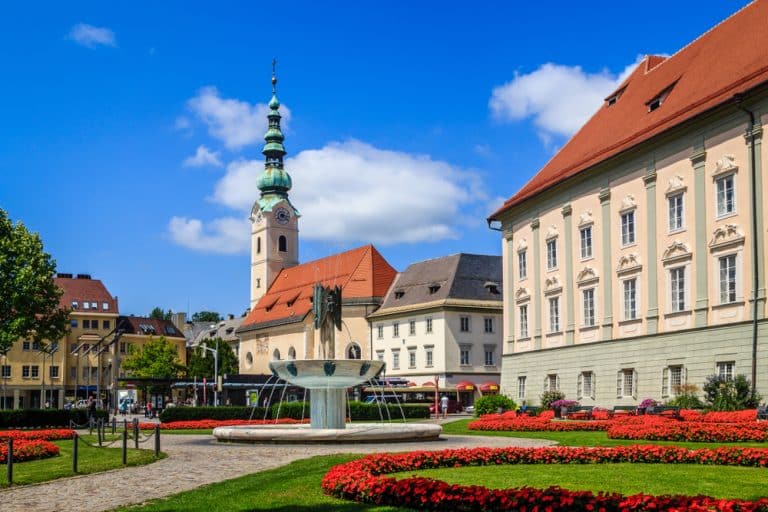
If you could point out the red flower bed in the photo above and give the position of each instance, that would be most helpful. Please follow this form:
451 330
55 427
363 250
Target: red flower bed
28 449
659 429
206 424
510 422
45 435
745 416
363 481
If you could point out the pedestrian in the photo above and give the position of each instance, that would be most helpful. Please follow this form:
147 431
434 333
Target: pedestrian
148 410
444 405
91 406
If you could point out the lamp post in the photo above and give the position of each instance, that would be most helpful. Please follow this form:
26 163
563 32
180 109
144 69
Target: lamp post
215 371
2 375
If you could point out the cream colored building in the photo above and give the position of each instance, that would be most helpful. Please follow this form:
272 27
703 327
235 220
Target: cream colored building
634 259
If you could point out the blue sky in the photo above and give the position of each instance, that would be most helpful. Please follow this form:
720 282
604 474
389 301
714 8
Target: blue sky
131 133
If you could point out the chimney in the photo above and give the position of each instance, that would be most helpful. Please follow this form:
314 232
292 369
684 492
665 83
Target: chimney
179 320
231 316
64 276
83 276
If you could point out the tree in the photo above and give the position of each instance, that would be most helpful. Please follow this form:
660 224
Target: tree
156 359
158 314
201 362
29 298
206 316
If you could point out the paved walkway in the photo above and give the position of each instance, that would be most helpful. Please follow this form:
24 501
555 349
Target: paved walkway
195 460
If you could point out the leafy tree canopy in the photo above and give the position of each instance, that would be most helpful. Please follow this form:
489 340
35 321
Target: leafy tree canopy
158 314
156 359
206 316
29 298
201 362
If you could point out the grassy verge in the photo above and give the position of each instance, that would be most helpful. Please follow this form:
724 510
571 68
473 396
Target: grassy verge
90 460
291 488
581 438
689 479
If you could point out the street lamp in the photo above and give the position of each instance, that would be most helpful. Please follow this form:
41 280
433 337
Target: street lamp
4 353
48 350
215 370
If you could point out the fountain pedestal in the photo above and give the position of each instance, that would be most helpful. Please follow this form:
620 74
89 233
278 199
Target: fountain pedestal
326 408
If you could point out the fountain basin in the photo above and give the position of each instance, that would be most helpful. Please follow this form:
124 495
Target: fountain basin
354 433
326 374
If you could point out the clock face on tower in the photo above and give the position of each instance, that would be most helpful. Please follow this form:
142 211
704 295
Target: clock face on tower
282 216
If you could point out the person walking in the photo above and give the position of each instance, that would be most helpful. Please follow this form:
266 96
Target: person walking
444 405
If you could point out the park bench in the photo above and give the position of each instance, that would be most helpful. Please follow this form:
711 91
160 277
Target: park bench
664 410
762 412
622 410
579 412
532 411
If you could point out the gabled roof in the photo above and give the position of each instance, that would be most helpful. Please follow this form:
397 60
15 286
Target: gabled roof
225 329
82 289
362 273
470 277
145 326
729 59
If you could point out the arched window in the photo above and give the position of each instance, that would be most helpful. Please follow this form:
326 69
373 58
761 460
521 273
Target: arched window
276 355
282 244
354 352
291 353
248 360
258 245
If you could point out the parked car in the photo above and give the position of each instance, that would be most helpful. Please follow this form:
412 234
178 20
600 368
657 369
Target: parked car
453 407
469 409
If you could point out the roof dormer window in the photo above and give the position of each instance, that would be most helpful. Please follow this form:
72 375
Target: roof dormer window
493 288
399 294
433 288
658 100
613 98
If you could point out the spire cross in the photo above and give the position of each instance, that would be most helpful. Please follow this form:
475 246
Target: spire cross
274 78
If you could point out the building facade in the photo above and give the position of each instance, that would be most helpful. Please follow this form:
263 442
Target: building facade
634 259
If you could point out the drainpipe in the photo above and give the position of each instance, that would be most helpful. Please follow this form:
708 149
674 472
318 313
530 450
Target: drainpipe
755 248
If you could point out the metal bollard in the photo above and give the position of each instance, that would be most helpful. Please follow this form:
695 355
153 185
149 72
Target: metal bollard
125 447
9 460
157 440
74 453
98 432
114 424
90 425
136 432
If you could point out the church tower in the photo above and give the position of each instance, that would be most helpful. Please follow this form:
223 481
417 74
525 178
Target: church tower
274 220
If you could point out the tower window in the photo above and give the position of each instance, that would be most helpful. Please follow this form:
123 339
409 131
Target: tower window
258 245
282 244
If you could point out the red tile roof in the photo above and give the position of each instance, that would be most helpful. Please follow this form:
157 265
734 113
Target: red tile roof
85 290
362 273
141 325
729 59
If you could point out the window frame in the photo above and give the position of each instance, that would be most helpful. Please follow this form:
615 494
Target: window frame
465 350
585 243
724 212
589 315
488 325
551 254
522 265
628 226
465 325
729 366
554 319
679 212
523 321
732 282
521 385
678 289
634 300
624 375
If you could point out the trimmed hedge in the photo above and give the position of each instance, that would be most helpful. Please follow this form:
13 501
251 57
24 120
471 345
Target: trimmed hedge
294 410
28 418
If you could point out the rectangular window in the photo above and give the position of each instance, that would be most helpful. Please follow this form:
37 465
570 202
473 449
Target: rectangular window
395 359
630 299
35 372
585 234
554 314
123 347
430 358
86 372
522 265
25 345
725 370
521 387
6 371
86 324
73 372
728 279
524 321
105 306
675 379
429 324
73 323
628 228
94 373
489 361
380 355
380 331
626 383
552 382
395 329
677 288
726 195
552 254
464 356
488 323
675 212
464 320
25 371
86 305
105 324
585 387
86 347
35 345
53 372
412 327
412 358
589 307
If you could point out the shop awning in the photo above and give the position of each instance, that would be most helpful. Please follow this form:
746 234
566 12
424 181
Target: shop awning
465 385
489 387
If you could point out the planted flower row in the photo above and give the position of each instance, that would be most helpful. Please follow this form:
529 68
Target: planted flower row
688 431
209 424
46 435
364 480
28 449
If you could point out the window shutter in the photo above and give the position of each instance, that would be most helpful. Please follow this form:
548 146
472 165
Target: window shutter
619 384
579 386
546 383
634 384
665 382
557 382
594 385
683 376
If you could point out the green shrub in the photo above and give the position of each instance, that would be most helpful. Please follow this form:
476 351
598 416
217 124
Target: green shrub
730 395
31 418
210 413
295 410
686 397
550 396
490 404
363 411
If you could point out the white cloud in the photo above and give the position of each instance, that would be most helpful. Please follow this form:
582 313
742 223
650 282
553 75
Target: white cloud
91 37
227 235
236 123
203 156
560 99
182 123
353 192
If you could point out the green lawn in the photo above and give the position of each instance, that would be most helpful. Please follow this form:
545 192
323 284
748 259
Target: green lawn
688 479
90 460
291 488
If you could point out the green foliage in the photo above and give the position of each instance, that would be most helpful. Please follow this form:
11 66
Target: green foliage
201 362
29 298
210 413
158 314
206 316
490 404
686 397
550 396
26 418
730 395
156 359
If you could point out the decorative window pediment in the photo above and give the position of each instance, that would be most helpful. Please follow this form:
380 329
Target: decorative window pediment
628 203
587 275
585 219
726 235
522 245
676 251
676 185
522 294
629 263
726 165
551 232
552 285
